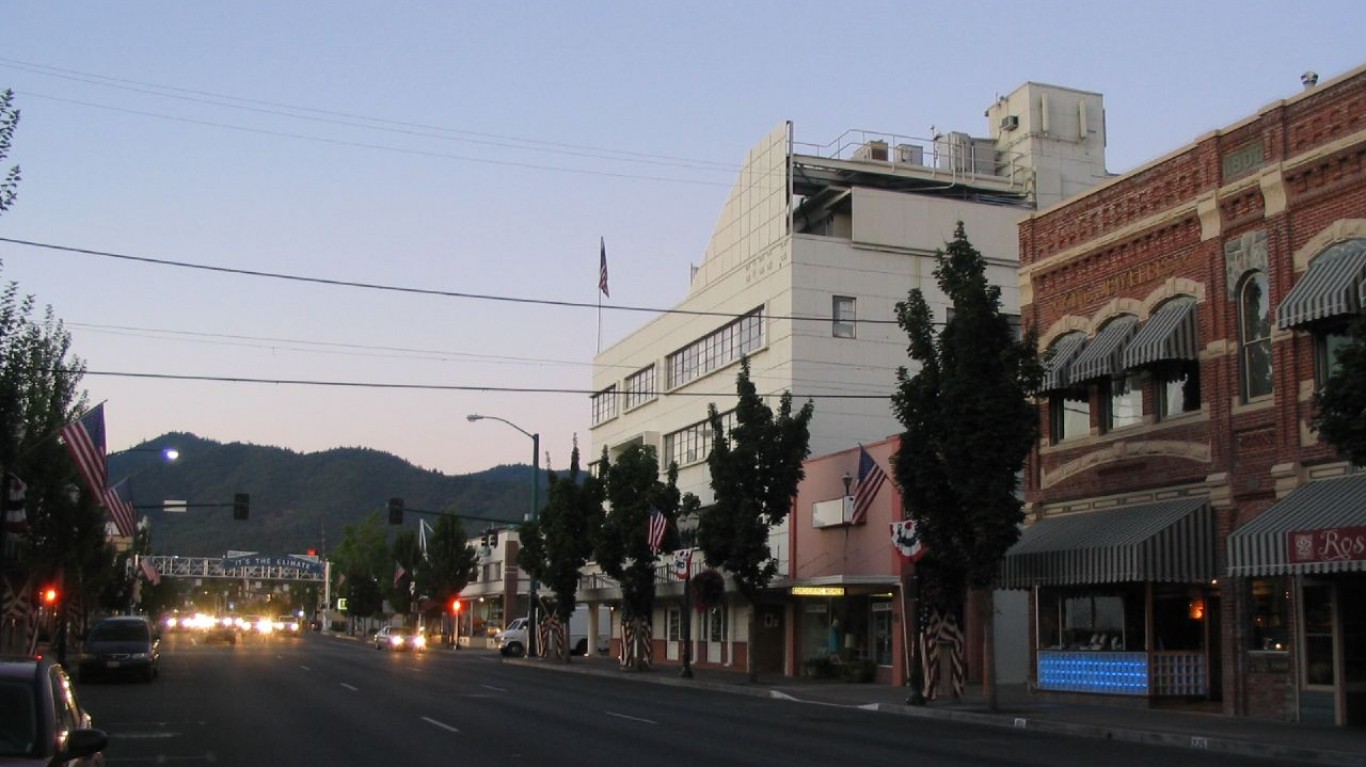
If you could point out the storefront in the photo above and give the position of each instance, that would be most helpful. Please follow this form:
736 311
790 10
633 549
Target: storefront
1301 569
1125 600
839 624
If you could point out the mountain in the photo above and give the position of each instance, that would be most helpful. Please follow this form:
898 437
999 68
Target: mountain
299 501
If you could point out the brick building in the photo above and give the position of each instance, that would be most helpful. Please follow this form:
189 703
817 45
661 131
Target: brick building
1182 509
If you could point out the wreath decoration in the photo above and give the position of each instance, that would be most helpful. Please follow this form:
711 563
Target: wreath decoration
709 589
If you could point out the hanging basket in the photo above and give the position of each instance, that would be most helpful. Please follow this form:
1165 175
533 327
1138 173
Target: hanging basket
709 589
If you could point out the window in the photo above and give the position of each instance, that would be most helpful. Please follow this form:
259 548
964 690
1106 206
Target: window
1270 613
743 336
1178 388
1327 343
1124 406
1070 414
692 444
639 387
1092 618
842 314
605 405
1254 335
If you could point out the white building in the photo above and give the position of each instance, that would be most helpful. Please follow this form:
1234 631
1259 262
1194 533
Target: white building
812 252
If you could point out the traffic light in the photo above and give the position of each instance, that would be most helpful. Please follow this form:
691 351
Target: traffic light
395 511
241 506
484 541
455 606
48 595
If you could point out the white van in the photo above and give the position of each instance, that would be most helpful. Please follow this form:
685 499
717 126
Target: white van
511 641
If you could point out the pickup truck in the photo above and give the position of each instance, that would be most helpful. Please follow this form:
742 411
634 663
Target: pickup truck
512 641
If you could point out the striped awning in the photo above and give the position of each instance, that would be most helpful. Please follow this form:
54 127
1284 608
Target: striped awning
1170 334
1101 358
1172 541
1262 546
1331 287
1063 351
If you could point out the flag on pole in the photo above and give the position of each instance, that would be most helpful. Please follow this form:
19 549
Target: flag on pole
602 268
150 572
84 437
658 524
16 516
870 480
422 529
118 500
398 573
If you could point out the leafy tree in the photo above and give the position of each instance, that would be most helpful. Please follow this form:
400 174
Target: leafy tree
9 120
406 553
633 490
556 546
755 469
362 558
450 564
363 597
969 427
1341 405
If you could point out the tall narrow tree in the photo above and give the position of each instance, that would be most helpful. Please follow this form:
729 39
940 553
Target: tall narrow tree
755 468
969 427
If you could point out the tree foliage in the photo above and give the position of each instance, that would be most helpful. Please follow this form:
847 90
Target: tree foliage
632 487
559 543
968 419
9 120
407 554
362 559
1341 405
450 563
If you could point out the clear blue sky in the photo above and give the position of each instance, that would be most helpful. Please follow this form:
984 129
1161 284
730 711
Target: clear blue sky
483 148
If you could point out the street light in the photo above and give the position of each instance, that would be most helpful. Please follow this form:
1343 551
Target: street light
535 491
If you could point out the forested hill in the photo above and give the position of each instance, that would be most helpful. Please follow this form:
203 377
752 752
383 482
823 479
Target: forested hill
299 501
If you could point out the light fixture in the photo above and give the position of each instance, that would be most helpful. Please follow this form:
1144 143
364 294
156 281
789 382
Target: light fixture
847 480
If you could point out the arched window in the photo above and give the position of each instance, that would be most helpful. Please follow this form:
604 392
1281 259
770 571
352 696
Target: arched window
1254 336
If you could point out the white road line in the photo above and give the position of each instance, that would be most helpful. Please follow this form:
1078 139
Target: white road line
442 725
306 668
349 687
495 689
630 718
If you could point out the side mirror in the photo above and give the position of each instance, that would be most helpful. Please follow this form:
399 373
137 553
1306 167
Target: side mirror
83 743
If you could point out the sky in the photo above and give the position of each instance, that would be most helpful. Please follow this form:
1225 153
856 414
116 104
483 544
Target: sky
315 225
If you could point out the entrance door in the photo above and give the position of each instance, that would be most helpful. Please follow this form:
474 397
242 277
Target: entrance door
715 634
1333 680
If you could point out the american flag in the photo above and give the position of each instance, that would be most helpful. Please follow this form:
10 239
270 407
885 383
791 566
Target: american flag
602 269
118 500
870 479
398 573
150 572
658 524
84 437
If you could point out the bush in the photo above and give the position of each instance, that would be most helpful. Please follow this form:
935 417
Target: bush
858 671
821 667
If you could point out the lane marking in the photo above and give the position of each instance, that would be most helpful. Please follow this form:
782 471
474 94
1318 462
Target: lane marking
306 668
495 689
349 687
143 735
630 718
442 725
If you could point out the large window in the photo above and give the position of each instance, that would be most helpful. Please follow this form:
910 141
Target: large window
1092 618
639 387
1069 414
605 405
743 336
1327 343
1254 330
1177 383
1124 406
842 312
1270 612
692 444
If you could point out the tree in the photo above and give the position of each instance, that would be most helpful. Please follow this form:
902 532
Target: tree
755 469
9 120
406 553
362 558
450 564
555 547
633 491
969 427
1341 405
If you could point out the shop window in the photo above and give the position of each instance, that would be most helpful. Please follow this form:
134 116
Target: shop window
1069 414
1177 384
1179 617
674 623
1091 618
1254 336
1319 667
1270 615
883 631
1327 343
1124 405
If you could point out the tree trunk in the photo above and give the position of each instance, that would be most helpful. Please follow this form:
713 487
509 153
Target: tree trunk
986 613
752 655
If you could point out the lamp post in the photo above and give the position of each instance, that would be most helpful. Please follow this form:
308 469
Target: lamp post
686 672
535 491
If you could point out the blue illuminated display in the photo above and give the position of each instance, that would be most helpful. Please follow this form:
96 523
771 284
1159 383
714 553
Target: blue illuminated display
1111 673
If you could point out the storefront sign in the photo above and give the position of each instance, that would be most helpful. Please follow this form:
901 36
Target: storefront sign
817 591
1334 544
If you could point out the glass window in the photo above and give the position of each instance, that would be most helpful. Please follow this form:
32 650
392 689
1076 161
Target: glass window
716 624
1091 618
1178 388
1319 662
605 405
842 312
1070 414
674 623
692 444
743 336
1327 343
1270 614
1254 328
640 387
1125 403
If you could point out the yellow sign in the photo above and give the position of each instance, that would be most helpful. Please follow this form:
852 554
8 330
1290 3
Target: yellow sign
817 591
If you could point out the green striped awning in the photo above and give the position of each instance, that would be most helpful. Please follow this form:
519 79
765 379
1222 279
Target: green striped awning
1101 357
1063 351
1172 541
1170 334
1262 546
1331 287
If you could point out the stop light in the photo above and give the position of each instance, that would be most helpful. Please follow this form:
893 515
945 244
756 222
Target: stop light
455 606
48 595
484 541
241 506
395 511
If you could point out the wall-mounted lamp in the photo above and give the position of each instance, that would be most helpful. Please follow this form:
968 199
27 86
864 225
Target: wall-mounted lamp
848 480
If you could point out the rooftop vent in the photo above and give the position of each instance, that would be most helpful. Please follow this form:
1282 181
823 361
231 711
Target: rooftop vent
872 150
1309 79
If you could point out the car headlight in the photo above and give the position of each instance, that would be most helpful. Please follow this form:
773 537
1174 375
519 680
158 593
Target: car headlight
420 641
396 641
141 655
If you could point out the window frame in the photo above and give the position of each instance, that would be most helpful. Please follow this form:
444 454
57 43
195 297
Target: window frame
1133 398
843 317
1250 346
1057 420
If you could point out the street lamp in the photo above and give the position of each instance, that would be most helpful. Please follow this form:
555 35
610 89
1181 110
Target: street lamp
687 542
535 491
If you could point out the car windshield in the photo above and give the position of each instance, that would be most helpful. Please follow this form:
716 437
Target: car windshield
118 631
399 632
18 723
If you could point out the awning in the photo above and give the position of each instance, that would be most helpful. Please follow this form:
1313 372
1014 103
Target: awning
1171 541
1170 334
1328 507
1331 287
1101 358
1055 369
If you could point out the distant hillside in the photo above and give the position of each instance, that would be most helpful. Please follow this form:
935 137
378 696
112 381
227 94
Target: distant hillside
298 500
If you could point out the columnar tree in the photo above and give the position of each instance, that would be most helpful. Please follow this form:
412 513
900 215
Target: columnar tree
556 546
969 427
362 558
633 490
755 468
406 554
1341 416
450 564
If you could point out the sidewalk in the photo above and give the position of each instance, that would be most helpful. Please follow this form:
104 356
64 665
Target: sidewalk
1018 708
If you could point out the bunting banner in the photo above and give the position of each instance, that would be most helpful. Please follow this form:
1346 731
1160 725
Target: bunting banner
906 540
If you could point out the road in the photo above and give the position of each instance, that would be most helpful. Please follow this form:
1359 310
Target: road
319 700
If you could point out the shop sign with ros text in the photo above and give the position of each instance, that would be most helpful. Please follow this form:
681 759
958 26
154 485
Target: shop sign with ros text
1334 544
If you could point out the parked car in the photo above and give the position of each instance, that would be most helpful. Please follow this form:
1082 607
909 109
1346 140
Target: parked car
512 641
41 722
122 644
399 638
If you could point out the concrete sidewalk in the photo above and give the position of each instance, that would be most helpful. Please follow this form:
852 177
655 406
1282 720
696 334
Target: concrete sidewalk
1018 708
